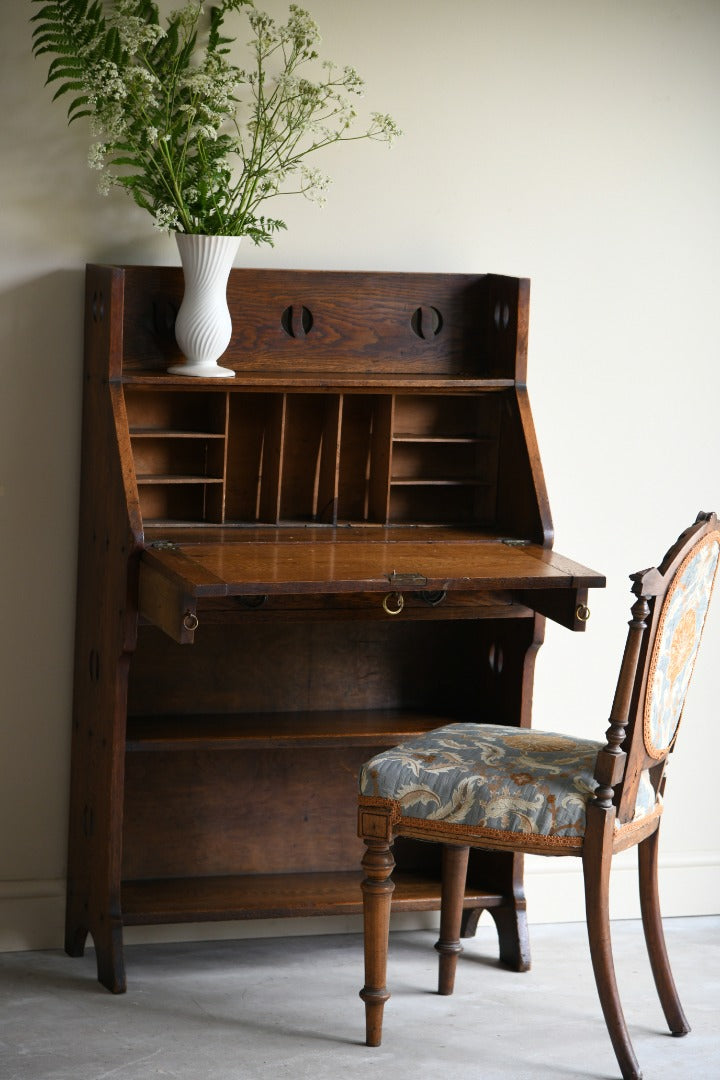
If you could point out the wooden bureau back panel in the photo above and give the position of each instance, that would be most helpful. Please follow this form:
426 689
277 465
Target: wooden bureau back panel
452 324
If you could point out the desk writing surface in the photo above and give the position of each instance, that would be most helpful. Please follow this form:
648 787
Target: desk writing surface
357 560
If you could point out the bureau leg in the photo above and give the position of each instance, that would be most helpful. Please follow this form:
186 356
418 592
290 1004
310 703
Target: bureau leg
513 937
110 960
512 929
501 873
76 925
107 939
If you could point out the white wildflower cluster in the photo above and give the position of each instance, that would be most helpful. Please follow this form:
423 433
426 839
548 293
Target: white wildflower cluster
384 128
352 82
105 183
212 89
105 82
134 32
264 29
186 17
166 217
96 155
301 31
315 185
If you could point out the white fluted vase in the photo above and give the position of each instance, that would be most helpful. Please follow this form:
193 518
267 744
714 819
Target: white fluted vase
203 326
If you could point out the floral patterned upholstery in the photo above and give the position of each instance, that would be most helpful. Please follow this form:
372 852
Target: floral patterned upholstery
494 780
676 644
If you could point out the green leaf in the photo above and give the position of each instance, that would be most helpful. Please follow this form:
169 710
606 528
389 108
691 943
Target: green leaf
73 114
68 86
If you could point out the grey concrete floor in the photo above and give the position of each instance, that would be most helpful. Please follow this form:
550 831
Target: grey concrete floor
288 1008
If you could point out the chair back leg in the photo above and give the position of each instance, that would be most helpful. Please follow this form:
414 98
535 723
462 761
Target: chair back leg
454 872
655 937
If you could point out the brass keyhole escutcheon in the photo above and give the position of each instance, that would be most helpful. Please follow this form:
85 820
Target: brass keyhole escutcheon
393 603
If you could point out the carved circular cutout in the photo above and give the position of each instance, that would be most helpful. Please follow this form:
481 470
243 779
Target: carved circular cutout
426 322
297 320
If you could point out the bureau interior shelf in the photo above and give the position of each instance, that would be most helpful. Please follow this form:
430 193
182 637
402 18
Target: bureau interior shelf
265 896
254 731
424 481
284 457
293 379
170 433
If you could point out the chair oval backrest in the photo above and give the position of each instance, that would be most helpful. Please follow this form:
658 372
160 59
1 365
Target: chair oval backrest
677 640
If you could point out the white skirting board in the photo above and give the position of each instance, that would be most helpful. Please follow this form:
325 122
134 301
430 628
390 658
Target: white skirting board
32 912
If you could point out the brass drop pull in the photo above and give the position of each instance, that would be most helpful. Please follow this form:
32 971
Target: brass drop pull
190 620
582 612
397 600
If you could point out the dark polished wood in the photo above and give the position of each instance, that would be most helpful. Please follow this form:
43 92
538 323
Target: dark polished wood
454 875
346 544
617 770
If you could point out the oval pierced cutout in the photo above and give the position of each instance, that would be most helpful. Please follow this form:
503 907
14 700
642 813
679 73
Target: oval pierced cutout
502 316
297 320
426 322
98 307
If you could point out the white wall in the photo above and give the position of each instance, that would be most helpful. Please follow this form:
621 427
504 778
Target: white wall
576 142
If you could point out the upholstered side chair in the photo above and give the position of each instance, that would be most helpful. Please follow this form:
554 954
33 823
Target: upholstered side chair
503 788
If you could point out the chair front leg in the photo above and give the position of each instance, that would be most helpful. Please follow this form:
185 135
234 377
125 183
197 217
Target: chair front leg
454 872
597 856
377 889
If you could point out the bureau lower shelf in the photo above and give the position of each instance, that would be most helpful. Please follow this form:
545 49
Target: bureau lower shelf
265 896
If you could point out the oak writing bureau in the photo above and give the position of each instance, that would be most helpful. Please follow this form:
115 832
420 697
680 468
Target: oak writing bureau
280 573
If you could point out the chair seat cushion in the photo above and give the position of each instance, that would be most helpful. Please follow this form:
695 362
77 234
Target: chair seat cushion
493 778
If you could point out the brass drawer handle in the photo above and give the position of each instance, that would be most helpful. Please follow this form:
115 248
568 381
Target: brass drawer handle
190 621
395 598
582 612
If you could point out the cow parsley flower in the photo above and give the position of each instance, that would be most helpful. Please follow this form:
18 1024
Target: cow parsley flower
315 185
166 217
96 155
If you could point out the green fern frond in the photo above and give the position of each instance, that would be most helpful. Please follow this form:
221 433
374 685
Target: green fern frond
67 87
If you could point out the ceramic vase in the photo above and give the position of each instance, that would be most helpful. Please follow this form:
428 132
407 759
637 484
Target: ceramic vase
203 326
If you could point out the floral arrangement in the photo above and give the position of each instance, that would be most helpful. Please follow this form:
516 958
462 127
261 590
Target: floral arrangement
197 141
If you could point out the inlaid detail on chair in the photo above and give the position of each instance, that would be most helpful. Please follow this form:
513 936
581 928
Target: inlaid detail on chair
678 638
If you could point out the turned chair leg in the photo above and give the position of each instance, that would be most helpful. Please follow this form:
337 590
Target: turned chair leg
377 889
454 872
655 937
596 869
